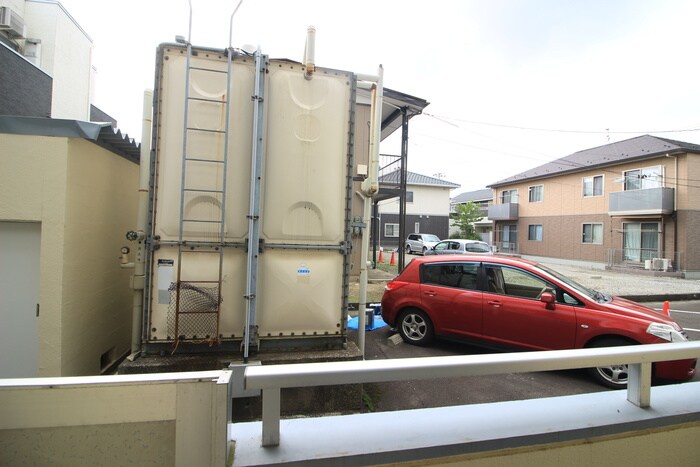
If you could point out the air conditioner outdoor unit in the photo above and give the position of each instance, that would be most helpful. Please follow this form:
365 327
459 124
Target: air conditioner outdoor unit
661 264
11 23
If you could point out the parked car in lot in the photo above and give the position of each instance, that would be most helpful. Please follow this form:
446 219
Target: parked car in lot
459 247
420 243
511 303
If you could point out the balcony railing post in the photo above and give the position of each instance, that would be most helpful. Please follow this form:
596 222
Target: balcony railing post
639 384
271 417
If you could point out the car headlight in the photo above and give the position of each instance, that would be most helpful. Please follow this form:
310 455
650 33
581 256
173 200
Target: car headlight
666 332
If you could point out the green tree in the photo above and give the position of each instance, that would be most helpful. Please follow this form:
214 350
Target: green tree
465 217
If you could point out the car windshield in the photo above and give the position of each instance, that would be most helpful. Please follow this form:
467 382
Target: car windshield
430 238
590 293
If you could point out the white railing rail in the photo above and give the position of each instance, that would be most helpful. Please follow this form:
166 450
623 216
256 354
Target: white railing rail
639 358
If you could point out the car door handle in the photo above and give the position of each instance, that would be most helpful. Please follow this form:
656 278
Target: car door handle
430 293
495 303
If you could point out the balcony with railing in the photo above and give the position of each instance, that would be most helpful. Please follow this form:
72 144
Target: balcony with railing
649 201
184 418
503 211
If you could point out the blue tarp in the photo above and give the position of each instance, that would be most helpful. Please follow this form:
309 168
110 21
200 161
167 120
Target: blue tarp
353 323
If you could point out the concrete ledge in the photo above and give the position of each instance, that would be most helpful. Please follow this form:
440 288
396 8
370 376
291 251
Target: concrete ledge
416 435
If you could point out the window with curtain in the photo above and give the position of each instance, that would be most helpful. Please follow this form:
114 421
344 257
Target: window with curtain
593 186
535 193
509 196
534 232
640 241
592 233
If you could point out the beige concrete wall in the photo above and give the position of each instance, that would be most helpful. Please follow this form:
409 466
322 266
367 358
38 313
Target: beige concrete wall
652 447
85 198
32 188
101 206
177 419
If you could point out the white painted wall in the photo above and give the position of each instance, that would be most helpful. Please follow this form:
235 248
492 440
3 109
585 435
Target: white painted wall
426 200
66 55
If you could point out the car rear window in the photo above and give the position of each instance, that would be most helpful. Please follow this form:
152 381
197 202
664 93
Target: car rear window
477 247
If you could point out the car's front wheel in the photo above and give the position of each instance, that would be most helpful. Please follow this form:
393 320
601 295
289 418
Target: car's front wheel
611 376
415 327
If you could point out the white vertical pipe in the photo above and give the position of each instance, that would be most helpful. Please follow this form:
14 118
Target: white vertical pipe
310 52
370 187
138 279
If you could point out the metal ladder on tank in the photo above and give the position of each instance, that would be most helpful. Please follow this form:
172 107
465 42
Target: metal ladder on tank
200 300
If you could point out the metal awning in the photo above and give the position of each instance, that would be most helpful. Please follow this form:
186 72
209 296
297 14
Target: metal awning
100 133
392 104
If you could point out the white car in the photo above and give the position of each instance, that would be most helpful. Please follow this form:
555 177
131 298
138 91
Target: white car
459 247
420 243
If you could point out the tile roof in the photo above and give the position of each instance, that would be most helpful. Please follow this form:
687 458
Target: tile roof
640 147
413 178
478 195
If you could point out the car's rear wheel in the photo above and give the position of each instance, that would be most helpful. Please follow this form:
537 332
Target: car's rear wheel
611 376
408 249
415 327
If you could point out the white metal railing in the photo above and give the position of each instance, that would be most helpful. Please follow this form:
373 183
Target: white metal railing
639 358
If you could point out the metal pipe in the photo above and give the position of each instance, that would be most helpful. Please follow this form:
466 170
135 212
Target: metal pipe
370 186
364 251
310 52
138 280
230 24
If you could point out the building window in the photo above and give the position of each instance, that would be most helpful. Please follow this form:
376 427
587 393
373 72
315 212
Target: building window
409 196
593 233
642 179
640 241
391 230
416 227
593 186
534 232
509 196
535 194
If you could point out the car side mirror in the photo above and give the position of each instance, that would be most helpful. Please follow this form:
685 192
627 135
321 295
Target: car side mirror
548 299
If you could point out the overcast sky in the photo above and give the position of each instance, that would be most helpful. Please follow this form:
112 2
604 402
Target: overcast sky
512 84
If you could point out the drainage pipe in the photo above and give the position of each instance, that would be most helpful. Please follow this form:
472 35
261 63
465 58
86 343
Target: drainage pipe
369 188
138 279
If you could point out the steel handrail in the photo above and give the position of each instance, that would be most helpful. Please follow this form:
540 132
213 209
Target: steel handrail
639 358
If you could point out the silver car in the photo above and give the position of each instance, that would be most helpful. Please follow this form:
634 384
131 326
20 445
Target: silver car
420 243
459 247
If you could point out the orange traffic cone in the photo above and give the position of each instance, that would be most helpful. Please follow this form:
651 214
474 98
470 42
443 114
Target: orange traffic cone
393 259
381 257
667 308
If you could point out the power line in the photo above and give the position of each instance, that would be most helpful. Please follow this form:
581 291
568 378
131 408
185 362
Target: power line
552 130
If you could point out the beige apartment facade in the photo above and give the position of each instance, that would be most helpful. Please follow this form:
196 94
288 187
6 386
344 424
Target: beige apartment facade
633 204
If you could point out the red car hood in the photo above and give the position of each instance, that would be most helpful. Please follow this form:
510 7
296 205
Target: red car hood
626 307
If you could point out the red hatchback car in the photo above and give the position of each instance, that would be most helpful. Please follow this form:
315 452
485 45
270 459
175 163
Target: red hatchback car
507 302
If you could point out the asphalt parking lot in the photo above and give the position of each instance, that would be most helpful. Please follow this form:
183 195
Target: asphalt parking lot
379 344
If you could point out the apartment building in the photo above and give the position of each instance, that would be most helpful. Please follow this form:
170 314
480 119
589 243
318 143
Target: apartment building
634 204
